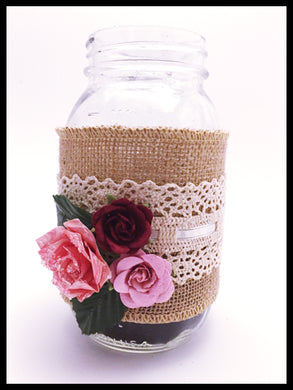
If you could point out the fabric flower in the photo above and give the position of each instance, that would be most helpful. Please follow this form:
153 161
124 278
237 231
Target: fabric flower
122 226
72 254
142 279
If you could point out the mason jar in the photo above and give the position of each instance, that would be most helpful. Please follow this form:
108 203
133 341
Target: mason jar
145 129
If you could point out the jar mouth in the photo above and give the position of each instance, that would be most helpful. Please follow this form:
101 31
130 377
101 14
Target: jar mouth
120 34
146 47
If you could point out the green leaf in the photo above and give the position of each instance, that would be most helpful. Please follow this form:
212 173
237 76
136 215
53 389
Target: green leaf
110 198
100 311
67 211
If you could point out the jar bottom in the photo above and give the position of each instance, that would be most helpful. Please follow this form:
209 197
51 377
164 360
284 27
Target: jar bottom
149 338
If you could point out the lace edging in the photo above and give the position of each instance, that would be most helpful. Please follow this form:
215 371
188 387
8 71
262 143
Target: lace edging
175 208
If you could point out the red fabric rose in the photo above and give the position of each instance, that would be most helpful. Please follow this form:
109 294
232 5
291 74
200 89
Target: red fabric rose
122 226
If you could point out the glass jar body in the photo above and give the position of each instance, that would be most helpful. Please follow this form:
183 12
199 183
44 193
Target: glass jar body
145 84
144 102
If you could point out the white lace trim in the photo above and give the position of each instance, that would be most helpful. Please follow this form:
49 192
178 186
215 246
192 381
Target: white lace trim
187 223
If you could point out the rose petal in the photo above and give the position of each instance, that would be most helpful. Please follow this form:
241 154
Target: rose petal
139 253
138 216
142 299
115 248
141 273
120 283
149 283
137 276
75 225
51 237
143 287
125 228
81 290
142 278
147 212
157 263
100 213
75 239
100 269
166 295
127 263
121 202
113 270
163 284
121 228
110 229
142 238
128 301
100 236
51 252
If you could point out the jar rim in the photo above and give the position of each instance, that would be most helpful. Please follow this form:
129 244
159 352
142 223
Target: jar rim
120 34
145 49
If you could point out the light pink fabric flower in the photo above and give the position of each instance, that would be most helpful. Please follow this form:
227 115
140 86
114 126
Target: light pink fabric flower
142 279
72 254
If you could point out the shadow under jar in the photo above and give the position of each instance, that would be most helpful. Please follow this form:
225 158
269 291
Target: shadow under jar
145 118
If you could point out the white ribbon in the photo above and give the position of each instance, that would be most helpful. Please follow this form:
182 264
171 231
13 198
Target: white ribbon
191 233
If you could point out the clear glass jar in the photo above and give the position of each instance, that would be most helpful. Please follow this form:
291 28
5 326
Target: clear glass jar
146 77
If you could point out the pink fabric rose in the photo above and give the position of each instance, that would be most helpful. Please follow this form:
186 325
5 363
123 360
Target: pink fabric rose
142 279
72 254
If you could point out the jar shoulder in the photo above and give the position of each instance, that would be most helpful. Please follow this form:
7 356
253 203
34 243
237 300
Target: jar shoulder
134 107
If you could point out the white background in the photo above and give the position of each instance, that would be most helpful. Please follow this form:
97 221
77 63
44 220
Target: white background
244 338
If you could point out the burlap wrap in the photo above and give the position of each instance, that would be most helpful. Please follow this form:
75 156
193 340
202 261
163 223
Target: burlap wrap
163 155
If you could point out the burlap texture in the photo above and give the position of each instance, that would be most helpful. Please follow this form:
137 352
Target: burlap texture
187 301
163 155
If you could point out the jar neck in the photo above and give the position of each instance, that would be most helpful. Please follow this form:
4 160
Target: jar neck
137 54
